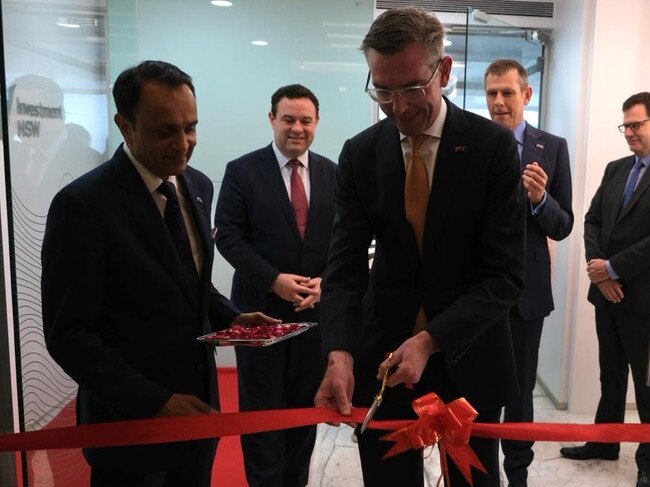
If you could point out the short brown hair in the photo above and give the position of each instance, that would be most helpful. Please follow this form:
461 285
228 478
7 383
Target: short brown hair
397 27
502 66
642 98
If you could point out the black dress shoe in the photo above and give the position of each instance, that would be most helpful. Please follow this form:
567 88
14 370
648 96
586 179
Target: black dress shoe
643 479
518 484
588 451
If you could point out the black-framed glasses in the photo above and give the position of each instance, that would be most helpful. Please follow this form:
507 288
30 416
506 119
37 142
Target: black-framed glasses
633 126
409 94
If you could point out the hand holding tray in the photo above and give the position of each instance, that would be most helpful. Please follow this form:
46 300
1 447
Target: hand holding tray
255 335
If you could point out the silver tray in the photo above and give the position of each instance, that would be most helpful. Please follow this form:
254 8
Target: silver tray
213 339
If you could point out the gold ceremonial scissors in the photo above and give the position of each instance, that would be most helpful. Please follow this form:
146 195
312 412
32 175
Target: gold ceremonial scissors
378 398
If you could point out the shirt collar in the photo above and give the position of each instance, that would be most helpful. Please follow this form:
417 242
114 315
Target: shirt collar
282 159
151 181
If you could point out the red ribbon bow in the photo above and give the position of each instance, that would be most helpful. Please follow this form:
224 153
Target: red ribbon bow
448 425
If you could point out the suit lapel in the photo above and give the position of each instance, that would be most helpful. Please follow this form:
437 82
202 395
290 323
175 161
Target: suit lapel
202 224
533 149
139 203
316 194
642 186
270 171
454 148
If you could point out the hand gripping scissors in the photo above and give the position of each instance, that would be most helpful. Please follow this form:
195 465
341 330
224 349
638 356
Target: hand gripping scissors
378 398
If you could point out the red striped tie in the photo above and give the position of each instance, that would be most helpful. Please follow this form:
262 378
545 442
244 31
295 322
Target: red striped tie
298 198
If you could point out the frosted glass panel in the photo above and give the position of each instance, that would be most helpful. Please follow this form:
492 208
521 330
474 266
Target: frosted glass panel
311 42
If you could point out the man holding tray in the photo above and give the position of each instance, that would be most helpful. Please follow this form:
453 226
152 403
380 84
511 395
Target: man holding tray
126 289
274 216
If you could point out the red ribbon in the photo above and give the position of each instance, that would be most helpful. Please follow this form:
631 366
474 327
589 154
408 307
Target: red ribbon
449 426
177 428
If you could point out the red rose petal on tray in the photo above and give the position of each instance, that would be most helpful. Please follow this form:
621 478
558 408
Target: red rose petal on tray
255 335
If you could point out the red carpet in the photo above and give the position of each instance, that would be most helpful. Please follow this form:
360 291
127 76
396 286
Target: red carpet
67 468
228 470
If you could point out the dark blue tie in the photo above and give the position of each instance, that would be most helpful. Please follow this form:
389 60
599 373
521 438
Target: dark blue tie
176 226
632 179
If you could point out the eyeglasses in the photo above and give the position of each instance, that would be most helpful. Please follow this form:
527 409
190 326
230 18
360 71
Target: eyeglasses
409 94
634 126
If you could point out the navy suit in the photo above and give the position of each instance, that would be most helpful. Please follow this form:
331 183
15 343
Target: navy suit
468 277
118 316
258 236
555 221
623 237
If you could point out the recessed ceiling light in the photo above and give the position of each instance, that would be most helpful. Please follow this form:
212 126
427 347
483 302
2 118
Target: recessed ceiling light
221 3
64 22
259 43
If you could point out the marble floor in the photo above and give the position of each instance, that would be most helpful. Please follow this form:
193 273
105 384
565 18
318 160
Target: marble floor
335 460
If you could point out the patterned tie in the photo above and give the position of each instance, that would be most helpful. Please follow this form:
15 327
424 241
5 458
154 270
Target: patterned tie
178 231
298 197
416 190
416 198
632 180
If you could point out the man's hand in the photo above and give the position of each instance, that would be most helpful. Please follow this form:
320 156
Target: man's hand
294 288
312 299
611 289
597 270
256 318
409 360
336 389
184 405
534 179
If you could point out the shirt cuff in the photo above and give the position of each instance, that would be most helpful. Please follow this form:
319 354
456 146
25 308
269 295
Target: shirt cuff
610 270
538 209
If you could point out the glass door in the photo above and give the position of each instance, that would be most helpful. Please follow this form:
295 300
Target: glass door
480 41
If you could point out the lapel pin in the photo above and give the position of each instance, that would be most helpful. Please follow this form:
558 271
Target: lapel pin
460 148
539 146
198 198
213 233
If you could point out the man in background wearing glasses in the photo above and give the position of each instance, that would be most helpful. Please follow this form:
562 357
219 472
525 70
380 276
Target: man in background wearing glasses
617 248
448 218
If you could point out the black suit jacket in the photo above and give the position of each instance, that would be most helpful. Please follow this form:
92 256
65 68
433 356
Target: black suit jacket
623 237
471 271
555 221
257 232
117 315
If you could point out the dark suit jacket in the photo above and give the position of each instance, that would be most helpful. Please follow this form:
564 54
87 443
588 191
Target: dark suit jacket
471 272
623 237
554 221
257 232
117 316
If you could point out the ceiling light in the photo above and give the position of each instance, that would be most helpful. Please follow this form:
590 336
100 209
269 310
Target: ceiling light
221 3
259 43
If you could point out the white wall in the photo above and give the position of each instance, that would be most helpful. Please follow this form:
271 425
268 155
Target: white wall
597 62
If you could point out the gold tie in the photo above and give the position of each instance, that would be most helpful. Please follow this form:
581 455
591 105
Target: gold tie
416 190
416 198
